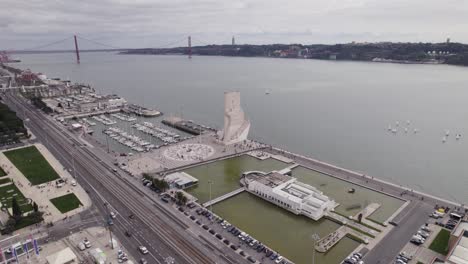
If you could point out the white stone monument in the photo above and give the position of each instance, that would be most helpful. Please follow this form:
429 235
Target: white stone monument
236 124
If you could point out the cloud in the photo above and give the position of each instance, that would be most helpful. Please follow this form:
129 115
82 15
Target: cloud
149 23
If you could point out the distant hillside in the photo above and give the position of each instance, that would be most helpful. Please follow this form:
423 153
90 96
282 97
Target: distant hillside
431 53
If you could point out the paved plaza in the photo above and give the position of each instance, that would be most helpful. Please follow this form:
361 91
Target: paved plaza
42 193
192 151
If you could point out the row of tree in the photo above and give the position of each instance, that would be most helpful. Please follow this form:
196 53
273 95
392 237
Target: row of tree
163 185
17 217
11 127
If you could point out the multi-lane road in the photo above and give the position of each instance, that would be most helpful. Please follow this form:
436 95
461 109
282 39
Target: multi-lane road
153 226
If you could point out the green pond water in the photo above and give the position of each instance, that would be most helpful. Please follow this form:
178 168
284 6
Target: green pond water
350 203
281 230
284 232
225 175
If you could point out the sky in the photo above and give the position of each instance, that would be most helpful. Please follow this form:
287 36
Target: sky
27 24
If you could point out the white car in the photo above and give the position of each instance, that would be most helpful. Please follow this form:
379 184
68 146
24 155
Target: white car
73 183
87 243
279 259
143 250
113 215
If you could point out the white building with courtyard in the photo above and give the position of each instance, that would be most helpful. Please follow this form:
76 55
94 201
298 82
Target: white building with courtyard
288 193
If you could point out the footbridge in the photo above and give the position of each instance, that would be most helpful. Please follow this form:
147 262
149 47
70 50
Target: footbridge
224 197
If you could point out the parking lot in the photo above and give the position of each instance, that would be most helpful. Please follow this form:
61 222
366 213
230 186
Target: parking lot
427 242
234 238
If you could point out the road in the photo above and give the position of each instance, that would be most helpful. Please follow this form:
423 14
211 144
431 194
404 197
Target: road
386 251
153 226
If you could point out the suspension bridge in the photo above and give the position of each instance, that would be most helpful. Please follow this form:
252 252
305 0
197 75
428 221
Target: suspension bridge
186 41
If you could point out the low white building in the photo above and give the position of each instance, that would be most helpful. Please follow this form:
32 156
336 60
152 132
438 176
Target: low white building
181 180
288 193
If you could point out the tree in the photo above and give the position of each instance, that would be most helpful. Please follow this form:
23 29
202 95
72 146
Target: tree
160 184
9 226
35 207
164 185
16 209
181 198
147 176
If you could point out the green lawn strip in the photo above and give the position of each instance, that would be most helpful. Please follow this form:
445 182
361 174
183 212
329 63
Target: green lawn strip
355 238
368 226
5 180
2 172
375 221
32 164
440 242
6 195
419 262
343 215
66 202
360 231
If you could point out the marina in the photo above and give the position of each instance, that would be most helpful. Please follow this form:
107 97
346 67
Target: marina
166 136
131 141
104 120
124 117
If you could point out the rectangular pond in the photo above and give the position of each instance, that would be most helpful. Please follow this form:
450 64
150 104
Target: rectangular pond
281 230
350 203
225 175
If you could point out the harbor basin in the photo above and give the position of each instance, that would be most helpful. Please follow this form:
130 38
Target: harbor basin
225 175
281 230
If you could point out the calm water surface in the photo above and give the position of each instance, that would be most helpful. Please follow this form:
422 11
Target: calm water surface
334 111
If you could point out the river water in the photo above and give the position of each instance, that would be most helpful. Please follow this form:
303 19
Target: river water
338 112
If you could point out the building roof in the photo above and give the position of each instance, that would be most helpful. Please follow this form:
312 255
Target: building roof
62 257
272 179
460 228
180 178
460 252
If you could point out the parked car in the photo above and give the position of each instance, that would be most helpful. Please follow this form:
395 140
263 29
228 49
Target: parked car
143 250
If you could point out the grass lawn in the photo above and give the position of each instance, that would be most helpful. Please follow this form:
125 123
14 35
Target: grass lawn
66 203
2 172
5 180
8 192
440 243
27 221
32 164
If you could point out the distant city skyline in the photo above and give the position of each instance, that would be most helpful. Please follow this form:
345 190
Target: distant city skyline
147 23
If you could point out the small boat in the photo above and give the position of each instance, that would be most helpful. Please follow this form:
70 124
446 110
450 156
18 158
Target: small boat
351 190
458 136
408 122
406 130
389 128
444 139
415 130
267 92
447 132
397 123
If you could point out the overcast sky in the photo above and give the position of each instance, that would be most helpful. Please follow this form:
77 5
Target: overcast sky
26 24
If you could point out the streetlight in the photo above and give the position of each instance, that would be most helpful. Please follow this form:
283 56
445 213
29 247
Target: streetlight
315 238
211 204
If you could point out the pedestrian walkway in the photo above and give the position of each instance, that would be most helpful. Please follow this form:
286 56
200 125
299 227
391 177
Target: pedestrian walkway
366 212
345 221
224 197
327 242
